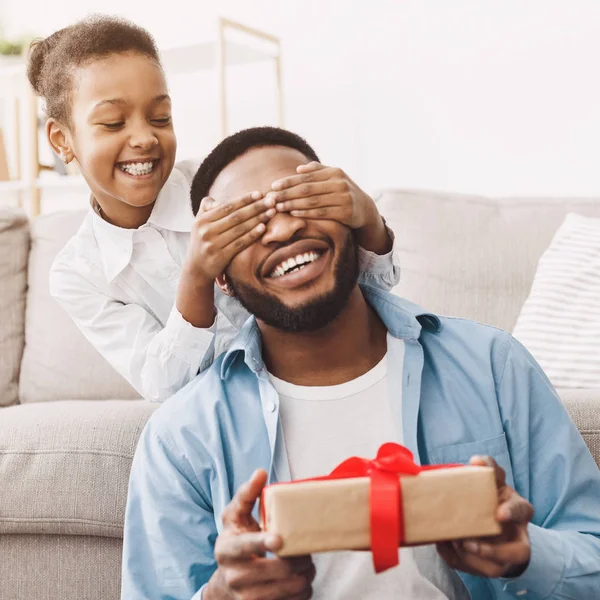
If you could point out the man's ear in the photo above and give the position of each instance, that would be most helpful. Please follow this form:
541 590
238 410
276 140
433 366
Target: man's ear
59 140
224 285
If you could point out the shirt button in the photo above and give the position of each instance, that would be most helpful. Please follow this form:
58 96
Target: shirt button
521 592
271 407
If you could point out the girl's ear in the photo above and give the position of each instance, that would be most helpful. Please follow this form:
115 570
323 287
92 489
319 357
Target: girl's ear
57 136
224 285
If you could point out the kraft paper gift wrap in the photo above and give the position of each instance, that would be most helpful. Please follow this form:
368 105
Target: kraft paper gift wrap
434 504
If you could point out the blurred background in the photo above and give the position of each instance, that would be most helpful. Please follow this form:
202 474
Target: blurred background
492 97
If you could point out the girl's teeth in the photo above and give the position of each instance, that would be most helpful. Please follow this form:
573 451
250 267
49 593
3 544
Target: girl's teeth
138 168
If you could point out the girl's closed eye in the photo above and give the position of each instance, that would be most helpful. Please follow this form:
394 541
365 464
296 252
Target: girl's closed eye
113 126
162 122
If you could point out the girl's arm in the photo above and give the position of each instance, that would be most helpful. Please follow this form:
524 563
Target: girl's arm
156 359
379 269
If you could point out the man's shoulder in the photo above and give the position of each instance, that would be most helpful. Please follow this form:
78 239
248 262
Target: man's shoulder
464 339
443 326
194 408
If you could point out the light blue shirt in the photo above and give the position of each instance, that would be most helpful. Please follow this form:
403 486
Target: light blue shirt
466 389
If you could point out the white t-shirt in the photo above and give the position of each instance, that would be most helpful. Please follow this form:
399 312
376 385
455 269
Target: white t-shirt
322 426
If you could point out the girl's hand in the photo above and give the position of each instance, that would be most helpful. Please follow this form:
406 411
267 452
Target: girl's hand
321 192
221 231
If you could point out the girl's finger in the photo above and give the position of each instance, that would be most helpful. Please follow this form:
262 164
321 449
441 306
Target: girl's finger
286 182
243 242
305 190
317 201
229 236
313 165
222 209
241 215
333 213
206 204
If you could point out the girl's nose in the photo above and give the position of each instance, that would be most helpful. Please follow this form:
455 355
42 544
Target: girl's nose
143 137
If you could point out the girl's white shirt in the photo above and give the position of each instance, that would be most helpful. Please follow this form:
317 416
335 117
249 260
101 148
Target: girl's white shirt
119 287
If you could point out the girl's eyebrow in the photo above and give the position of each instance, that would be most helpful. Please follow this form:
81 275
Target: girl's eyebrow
121 101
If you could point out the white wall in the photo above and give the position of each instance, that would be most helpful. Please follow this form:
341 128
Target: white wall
486 96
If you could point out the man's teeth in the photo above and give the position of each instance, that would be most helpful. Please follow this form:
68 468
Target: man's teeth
138 168
297 263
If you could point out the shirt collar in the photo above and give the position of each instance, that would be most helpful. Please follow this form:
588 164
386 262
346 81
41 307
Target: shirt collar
402 318
172 211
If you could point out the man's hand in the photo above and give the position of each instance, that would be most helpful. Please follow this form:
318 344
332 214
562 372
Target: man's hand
321 192
244 573
221 231
506 555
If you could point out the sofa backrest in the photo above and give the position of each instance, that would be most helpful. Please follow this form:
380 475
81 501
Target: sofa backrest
472 256
58 362
14 249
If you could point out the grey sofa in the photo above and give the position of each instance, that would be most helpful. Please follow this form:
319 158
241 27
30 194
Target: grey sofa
69 424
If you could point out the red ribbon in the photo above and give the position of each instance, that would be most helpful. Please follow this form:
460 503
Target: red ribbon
386 509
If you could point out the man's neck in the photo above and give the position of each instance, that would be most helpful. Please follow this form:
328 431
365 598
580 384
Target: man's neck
343 350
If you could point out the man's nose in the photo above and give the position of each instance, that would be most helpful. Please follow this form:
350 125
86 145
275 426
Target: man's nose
281 228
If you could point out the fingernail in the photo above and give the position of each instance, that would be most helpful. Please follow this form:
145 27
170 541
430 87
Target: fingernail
280 206
256 195
504 513
272 541
260 227
269 201
471 547
271 212
276 185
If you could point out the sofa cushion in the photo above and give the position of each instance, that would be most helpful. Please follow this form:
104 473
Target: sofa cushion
60 567
58 362
472 256
584 407
559 321
68 465
14 249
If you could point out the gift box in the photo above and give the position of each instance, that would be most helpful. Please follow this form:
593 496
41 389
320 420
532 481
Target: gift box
381 504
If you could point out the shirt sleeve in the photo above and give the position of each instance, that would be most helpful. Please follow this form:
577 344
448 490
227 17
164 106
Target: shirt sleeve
170 529
379 270
556 472
156 360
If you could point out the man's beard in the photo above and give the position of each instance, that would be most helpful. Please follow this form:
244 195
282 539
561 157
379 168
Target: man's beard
314 314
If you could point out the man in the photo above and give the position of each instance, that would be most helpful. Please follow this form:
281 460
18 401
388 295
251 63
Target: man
324 370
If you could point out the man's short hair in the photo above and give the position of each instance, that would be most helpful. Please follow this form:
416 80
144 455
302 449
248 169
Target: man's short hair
234 146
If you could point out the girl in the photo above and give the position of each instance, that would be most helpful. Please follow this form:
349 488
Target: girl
129 277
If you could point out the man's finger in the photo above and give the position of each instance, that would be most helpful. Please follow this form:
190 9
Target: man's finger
239 510
243 546
515 510
271 569
513 553
488 461
457 558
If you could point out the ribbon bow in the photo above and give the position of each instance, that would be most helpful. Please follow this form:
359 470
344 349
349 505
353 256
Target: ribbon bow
386 510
